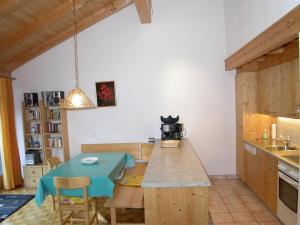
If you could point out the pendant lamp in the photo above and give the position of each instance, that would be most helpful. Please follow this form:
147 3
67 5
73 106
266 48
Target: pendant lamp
76 99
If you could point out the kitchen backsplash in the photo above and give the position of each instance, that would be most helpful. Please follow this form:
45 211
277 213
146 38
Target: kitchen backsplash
289 127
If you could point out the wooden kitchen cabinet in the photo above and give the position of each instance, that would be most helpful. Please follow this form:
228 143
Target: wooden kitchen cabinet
266 95
261 177
271 189
278 90
251 170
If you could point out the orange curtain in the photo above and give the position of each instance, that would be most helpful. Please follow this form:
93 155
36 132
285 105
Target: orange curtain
11 165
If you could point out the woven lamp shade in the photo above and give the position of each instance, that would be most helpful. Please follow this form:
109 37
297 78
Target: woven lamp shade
76 100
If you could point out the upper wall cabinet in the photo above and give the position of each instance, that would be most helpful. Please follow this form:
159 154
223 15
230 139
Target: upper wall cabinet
278 90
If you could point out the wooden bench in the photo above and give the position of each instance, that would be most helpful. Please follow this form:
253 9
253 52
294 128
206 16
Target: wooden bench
125 196
140 151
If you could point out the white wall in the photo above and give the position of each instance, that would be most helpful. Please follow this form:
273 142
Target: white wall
173 66
245 19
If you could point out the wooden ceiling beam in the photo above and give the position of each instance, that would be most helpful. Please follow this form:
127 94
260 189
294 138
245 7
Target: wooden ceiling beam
84 23
38 25
277 51
291 51
260 59
8 6
280 33
5 74
143 8
3 68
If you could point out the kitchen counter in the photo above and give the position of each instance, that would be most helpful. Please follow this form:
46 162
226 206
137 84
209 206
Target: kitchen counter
175 187
175 167
262 145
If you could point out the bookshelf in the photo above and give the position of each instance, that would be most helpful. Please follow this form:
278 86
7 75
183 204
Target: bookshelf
33 129
55 132
46 131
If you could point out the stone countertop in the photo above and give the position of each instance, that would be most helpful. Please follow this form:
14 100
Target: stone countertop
262 145
175 167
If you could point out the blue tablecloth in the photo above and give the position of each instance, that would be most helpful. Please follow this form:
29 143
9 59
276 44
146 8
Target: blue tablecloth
101 174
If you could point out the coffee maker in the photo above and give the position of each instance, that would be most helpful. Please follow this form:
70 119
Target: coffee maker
171 131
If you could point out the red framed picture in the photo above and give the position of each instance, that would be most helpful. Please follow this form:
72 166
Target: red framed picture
106 93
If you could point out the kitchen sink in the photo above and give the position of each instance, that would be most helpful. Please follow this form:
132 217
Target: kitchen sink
281 148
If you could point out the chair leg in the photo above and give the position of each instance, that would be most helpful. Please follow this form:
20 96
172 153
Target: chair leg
113 216
87 215
60 216
95 210
53 202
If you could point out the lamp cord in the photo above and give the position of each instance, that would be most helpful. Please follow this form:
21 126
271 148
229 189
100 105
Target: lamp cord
75 46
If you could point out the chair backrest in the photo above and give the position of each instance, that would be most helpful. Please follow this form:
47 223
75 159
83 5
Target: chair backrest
53 162
72 183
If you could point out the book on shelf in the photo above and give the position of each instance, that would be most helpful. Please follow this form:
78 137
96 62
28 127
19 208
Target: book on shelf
33 142
54 127
55 142
53 114
34 129
32 115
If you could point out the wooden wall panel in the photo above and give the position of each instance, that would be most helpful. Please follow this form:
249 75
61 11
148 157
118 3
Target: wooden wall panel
254 125
176 206
246 102
147 149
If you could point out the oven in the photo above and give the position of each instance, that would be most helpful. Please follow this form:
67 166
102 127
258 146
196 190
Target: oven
287 198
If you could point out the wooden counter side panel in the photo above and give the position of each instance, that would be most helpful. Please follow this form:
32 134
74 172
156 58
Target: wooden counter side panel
176 206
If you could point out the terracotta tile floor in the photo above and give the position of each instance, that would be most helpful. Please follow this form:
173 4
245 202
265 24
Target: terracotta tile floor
233 203
230 203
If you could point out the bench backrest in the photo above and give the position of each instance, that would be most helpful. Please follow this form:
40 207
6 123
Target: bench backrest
135 149
140 151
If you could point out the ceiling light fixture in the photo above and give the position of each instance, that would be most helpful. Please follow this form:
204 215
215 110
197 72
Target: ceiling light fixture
76 99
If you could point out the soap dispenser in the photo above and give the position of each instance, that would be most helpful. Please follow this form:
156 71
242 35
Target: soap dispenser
265 134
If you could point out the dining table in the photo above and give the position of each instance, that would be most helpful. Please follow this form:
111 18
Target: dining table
102 174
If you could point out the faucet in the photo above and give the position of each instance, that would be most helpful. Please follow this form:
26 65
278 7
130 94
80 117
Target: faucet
286 141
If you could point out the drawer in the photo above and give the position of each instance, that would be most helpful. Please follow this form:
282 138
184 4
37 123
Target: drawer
33 171
46 170
31 181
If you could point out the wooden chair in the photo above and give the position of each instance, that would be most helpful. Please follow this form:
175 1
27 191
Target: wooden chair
53 162
72 208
